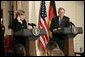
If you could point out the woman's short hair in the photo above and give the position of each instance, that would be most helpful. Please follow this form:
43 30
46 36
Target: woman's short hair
20 12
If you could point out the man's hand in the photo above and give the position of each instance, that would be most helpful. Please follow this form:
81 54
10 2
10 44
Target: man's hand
56 29
59 28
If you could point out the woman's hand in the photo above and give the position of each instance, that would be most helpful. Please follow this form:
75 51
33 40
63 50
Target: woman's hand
19 20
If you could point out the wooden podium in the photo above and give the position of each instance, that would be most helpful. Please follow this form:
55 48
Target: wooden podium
32 35
70 34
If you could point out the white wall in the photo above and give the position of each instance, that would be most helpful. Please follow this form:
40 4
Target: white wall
79 39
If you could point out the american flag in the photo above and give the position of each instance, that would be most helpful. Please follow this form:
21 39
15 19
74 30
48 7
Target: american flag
43 23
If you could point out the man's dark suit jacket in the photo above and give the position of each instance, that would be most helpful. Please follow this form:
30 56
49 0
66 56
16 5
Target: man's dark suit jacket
55 24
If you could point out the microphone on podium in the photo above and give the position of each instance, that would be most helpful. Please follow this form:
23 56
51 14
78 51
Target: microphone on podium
71 23
31 24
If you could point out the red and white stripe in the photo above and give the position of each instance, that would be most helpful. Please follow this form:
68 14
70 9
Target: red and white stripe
45 38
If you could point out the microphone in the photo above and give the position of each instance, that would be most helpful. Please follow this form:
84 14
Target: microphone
71 23
31 24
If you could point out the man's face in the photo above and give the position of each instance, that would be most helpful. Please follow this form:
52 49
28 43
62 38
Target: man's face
61 13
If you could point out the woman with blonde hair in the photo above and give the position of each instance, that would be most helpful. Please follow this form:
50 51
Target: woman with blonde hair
19 23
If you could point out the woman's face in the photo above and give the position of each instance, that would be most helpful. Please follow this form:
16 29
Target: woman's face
22 17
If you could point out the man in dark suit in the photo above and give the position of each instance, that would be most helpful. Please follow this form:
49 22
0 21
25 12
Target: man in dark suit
59 22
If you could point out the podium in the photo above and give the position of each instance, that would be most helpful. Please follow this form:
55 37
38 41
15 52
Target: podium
70 33
32 35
